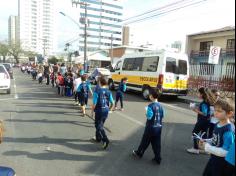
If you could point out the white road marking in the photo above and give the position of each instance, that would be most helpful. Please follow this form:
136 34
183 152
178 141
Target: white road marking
130 118
16 95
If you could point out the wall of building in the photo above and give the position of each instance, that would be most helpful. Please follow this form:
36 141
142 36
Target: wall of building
104 28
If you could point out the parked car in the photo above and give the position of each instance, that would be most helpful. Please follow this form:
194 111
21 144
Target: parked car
8 66
5 80
93 77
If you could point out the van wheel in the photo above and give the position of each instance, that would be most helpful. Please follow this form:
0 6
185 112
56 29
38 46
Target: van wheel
111 85
8 91
145 93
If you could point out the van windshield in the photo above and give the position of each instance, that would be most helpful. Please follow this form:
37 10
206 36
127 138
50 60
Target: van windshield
177 68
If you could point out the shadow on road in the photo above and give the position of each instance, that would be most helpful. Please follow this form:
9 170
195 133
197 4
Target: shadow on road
117 160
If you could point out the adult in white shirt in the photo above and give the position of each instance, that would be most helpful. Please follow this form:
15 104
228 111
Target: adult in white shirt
77 82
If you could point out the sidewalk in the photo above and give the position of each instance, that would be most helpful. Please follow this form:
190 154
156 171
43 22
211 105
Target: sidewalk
189 99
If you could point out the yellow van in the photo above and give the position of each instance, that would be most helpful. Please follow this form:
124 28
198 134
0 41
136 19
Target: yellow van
166 70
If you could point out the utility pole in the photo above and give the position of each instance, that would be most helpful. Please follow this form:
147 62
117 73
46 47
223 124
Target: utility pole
111 48
85 4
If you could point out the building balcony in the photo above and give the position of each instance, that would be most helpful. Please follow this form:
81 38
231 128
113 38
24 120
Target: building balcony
224 52
226 55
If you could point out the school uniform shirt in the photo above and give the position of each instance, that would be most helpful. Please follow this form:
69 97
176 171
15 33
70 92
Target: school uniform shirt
101 100
86 86
154 115
204 107
122 88
230 157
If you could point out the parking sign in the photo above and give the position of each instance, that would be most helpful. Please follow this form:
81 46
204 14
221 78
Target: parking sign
214 55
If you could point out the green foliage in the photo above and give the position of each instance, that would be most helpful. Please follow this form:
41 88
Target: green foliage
52 60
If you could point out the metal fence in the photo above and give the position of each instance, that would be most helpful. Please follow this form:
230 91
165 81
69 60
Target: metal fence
217 77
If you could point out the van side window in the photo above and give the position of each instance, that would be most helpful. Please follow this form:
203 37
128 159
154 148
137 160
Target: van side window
150 64
128 64
183 68
171 65
138 64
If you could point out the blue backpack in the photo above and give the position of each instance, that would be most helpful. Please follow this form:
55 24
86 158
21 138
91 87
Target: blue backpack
103 100
84 89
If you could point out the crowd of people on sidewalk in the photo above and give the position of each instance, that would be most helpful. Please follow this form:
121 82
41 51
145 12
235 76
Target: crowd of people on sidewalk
214 132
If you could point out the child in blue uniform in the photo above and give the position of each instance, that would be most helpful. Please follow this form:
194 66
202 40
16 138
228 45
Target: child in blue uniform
223 139
203 120
83 91
152 133
120 93
102 99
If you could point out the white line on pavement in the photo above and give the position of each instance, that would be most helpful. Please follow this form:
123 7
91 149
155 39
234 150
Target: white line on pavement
130 119
16 96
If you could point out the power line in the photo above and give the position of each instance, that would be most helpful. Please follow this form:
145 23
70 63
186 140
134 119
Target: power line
163 13
153 10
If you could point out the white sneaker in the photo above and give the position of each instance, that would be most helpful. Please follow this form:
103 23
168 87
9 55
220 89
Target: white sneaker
193 151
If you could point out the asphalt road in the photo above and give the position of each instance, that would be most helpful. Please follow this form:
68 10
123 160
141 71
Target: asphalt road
47 136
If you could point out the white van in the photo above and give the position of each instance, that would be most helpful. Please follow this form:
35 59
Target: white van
168 71
5 80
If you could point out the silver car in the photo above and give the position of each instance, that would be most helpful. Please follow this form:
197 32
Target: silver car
5 80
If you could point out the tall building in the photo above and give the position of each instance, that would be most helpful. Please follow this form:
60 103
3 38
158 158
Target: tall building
105 28
13 30
126 36
36 18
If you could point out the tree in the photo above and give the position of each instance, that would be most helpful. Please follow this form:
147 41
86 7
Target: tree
4 51
52 60
31 55
15 50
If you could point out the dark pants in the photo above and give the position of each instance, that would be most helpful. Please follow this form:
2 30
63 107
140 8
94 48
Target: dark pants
119 97
46 75
76 97
100 119
229 170
53 82
40 80
83 99
153 137
200 127
215 166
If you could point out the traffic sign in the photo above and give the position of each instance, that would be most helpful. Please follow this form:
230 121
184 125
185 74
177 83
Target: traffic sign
214 55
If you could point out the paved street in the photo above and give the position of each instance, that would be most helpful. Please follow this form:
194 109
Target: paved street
45 135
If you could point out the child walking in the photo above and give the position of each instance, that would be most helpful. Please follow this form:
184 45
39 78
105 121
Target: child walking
203 120
83 91
223 140
76 83
153 129
102 99
120 93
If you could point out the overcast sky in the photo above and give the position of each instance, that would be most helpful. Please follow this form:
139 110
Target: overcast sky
160 31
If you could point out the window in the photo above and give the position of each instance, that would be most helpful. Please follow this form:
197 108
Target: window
230 44
205 46
183 67
150 64
128 64
171 65
2 70
207 69
138 64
